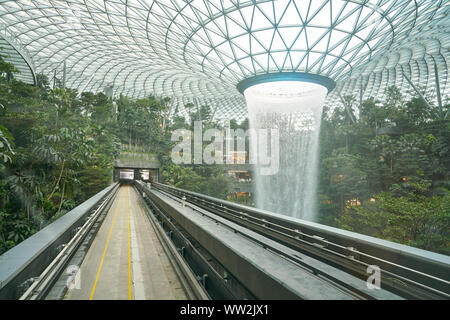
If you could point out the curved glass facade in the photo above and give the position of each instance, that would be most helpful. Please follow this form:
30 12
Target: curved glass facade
198 51
13 52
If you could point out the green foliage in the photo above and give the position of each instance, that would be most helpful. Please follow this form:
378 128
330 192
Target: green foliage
57 149
50 142
182 177
14 228
93 180
387 173
385 165
411 219
209 180
144 123
5 145
205 179
347 181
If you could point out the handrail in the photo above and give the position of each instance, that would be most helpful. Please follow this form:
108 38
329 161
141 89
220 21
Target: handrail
411 266
29 258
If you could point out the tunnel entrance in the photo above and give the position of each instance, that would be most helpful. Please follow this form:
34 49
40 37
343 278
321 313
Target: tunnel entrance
123 174
144 166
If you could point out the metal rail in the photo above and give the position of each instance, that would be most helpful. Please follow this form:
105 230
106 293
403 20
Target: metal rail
333 258
29 269
42 284
409 272
196 260
190 284
231 276
43 272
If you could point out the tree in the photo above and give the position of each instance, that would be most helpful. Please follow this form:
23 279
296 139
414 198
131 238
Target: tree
5 145
380 182
410 219
49 139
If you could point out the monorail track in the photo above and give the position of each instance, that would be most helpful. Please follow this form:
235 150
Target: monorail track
114 255
216 250
412 274
40 286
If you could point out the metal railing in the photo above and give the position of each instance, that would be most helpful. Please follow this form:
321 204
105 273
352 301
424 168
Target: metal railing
29 269
409 272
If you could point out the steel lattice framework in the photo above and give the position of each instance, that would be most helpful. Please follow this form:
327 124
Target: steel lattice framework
198 50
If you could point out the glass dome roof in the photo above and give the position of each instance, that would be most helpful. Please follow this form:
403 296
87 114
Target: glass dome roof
198 50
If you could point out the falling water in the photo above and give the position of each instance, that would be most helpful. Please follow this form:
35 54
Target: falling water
295 109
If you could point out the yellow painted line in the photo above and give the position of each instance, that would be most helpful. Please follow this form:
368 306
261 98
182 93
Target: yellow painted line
129 250
104 251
